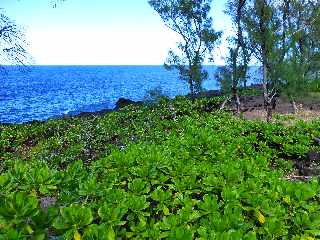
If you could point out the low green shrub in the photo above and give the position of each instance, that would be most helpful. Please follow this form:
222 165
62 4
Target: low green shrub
174 170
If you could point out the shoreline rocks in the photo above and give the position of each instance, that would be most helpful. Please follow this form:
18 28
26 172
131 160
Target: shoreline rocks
123 102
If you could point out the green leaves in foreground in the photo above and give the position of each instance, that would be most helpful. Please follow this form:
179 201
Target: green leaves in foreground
169 171
72 219
16 212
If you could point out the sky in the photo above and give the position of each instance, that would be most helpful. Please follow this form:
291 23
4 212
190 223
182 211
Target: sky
100 32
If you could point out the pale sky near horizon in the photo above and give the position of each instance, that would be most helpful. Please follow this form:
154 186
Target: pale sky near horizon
100 32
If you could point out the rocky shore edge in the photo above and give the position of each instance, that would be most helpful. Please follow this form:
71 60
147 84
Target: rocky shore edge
123 102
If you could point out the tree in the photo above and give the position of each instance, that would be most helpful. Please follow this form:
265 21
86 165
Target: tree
263 27
284 38
12 43
190 20
237 64
300 40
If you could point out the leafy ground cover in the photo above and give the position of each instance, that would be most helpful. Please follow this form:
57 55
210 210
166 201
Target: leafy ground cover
176 170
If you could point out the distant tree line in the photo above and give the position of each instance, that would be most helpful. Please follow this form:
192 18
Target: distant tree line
282 36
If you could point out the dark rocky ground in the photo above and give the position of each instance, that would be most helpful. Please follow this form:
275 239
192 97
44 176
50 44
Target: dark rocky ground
283 106
253 108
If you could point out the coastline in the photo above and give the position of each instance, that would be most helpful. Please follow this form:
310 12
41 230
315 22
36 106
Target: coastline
252 105
121 103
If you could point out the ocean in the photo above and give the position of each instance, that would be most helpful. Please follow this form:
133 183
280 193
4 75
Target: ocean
42 92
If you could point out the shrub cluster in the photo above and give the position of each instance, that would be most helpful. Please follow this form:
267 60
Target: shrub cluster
176 170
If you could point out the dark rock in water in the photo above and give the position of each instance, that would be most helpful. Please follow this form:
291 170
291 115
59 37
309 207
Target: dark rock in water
123 102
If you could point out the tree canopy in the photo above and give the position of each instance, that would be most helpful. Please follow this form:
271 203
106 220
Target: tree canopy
191 21
12 42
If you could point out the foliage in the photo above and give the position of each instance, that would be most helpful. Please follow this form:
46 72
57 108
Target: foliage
283 37
315 86
154 95
234 73
301 57
12 42
169 171
191 21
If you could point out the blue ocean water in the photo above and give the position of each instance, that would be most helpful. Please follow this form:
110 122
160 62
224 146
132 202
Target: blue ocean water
42 92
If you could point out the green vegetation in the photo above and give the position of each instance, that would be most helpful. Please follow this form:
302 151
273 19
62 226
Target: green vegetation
175 170
234 74
191 21
282 37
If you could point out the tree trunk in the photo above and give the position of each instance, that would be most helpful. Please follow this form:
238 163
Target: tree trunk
190 79
236 99
224 103
264 86
274 103
191 88
294 106
267 99
269 113
245 83
238 104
